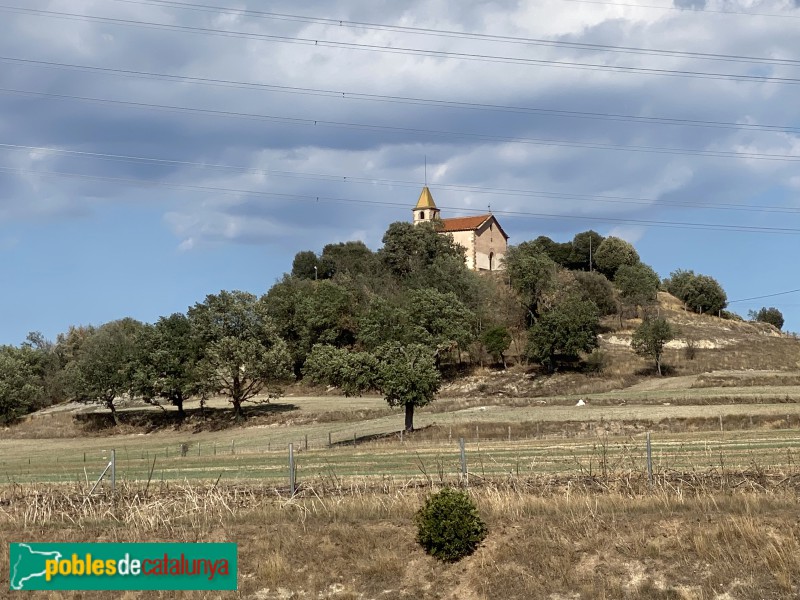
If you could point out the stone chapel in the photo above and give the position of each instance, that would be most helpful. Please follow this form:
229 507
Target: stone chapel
481 235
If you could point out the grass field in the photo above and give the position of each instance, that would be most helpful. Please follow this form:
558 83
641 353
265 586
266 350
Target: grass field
519 440
572 513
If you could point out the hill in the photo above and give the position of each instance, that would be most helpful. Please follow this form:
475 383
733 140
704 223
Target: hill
708 352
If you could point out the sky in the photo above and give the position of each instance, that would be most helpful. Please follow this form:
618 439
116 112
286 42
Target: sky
153 152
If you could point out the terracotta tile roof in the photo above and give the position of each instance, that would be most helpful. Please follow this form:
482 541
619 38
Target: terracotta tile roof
463 223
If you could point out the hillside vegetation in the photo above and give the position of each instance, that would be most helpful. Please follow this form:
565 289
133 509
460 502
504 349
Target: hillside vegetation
403 322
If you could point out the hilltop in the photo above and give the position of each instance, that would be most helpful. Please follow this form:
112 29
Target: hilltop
708 351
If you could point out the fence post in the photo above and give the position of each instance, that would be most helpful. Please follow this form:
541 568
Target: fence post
330 443
509 433
649 461
291 469
354 438
463 460
233 446
113 471
306 443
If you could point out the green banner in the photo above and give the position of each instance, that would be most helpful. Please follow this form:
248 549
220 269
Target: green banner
169 566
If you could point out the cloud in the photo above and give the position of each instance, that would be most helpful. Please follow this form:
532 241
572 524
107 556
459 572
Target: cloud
285 165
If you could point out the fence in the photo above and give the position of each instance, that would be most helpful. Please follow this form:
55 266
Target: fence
446 460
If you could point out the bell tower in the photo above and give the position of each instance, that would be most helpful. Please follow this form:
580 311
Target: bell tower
425 210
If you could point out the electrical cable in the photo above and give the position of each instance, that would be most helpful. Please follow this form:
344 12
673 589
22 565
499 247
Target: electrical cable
328 199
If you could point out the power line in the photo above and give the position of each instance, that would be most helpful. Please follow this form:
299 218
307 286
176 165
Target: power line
404 205
692 9
439 33
393 183
455 104
765 296
418 131
416 51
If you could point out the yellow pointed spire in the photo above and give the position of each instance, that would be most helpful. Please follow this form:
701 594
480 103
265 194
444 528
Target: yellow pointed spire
425 200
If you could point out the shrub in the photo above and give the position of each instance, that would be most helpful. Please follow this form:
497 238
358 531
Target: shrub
769 315
700 293
449 526
614 253
597 362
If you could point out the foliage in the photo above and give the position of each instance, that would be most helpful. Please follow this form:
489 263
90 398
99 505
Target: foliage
405 374
242 352
408 249
313 312
20 388
168 366
769 315
48 368
650 338
638 284
563 332
103 368
596 287
305 265
559 253
597 361
348 258
352 372
442 319
700 293
449 526
531 273
584 247
496 341
417 257
614 253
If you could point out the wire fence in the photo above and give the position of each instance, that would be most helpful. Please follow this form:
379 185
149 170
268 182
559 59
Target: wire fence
447 459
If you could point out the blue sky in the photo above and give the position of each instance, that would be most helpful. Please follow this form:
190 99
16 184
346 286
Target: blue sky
153 152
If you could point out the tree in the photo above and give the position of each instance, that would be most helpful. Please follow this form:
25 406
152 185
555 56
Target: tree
596 288
650 338
243 354
701 293
531 273
638 284
408 248
614 253
348 258
584 247
442 319
305 265
105 363
769 315
20 387
496 341
168 367
559 253
313 312
563 333
47 365
405 374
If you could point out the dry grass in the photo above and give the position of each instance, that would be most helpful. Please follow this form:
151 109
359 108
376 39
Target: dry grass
692 536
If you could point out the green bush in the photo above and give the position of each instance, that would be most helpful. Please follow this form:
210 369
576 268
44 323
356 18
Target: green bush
449 526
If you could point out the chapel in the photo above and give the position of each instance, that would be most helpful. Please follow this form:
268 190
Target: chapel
481 235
